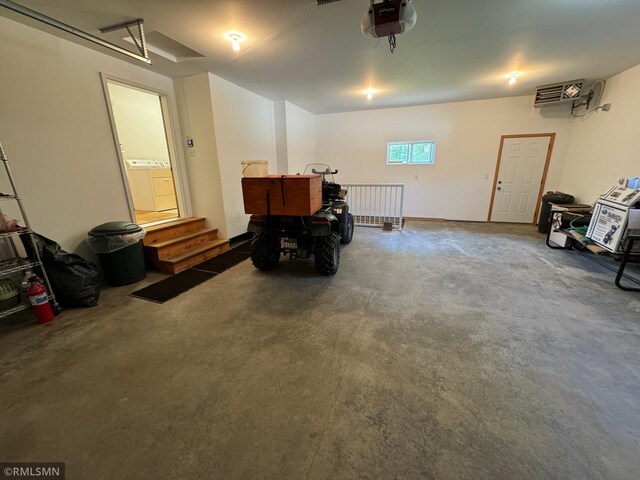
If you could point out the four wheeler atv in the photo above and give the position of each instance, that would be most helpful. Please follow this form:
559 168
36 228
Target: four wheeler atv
319 235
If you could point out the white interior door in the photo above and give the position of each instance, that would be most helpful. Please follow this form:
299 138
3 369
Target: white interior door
519 179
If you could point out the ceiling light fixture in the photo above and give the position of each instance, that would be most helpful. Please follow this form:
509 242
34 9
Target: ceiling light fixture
235 38
513 77
369 92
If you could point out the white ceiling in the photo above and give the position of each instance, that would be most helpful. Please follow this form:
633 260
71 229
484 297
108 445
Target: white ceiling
317 58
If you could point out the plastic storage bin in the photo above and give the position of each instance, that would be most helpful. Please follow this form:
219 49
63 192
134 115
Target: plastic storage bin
255 168
119 249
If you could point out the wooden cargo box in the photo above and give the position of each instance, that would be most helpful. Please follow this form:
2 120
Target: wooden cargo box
288 194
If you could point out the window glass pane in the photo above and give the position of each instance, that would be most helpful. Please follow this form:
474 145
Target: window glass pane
422 153
398 153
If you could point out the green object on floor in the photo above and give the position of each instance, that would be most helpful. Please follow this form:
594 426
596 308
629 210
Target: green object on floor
581 229
9 295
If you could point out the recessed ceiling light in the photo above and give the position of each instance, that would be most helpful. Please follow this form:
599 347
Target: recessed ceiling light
235 38
513 77
369 92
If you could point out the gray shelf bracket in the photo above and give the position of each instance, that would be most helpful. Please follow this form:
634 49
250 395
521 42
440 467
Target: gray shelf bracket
139 41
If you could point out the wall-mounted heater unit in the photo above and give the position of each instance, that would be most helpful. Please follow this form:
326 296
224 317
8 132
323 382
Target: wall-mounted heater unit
556 93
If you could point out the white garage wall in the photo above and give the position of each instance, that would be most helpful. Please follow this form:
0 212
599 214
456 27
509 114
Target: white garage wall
280 114
56 132
196 120
606 145
301 135
244 130
458 186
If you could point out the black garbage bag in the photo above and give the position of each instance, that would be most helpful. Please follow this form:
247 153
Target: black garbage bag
75 282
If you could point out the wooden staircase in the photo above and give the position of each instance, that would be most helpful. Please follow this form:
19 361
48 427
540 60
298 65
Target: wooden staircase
175 246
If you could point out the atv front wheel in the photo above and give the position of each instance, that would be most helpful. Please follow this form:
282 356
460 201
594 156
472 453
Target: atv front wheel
327 254
347 234
263 256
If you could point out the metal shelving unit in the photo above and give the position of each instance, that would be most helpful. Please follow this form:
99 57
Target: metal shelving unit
17 264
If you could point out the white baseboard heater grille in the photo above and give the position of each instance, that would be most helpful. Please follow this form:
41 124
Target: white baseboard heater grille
374 204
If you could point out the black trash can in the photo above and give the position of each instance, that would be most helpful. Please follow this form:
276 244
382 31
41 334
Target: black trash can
119 249
558 198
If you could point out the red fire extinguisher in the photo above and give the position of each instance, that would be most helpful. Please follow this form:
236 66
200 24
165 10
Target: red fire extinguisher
39 299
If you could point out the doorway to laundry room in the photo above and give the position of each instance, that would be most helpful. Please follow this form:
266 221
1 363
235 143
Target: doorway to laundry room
142 132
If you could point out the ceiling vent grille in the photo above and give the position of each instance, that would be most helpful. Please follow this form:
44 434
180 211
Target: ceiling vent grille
556 93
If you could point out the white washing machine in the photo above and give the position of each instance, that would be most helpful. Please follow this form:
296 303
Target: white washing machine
151 184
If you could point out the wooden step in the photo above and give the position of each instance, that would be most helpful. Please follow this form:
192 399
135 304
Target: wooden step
169 230
175 246
194 256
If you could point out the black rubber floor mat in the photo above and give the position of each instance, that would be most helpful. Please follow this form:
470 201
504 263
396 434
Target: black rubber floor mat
173 286
244 246
224 261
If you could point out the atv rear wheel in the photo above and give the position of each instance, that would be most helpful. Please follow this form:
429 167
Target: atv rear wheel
327 254
347 234
263 255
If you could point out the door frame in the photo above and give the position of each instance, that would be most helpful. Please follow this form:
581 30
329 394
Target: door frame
172 133
552 139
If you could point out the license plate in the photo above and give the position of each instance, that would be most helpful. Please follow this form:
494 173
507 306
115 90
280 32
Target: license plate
290 243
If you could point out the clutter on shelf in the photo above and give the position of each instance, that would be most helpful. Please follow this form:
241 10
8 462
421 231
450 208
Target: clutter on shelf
39 295
611 226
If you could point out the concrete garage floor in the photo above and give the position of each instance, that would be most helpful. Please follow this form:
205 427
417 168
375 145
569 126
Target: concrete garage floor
446 351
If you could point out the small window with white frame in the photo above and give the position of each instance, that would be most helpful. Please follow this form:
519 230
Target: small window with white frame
411 153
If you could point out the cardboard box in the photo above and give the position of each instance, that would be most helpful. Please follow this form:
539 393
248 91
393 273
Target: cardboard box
634 219
623 196
288 194
608 225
